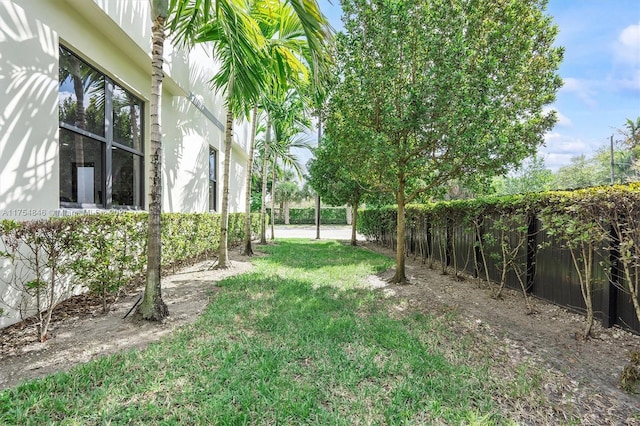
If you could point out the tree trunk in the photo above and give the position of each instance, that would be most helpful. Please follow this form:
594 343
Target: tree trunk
265 166
585 250
354 221
273 198
400 277
318 205
248 250
287 220
152 306
223 252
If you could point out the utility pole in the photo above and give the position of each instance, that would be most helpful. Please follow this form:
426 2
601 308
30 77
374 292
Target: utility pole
612 163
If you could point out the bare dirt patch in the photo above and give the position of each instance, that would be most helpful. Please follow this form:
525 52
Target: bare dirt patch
80 331
581 378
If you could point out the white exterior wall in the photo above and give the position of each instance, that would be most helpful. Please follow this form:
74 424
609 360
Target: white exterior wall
114 37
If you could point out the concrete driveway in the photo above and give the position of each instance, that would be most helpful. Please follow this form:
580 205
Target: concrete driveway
327 232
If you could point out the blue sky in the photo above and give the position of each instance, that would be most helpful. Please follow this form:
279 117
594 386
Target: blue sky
601 73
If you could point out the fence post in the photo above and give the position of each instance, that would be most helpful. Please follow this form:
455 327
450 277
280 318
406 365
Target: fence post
478 231
448 252
610 290
428 246
532 249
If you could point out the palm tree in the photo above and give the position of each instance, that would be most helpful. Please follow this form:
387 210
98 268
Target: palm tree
239 48
265 166
232 25
248 250
286 111
152 306
287 48
286 138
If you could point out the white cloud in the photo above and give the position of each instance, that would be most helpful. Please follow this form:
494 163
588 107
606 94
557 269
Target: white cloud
632 81
559 149
627 47
556 142
582 89
553 161
626 50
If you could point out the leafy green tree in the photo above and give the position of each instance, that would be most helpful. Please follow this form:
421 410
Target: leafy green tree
532 177
434 90
287 192
623 165
335 180
581 172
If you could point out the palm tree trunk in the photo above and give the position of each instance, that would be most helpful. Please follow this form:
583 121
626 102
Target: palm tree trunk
318 205
133 115
273 197
223 252
152 306
265 166
248 250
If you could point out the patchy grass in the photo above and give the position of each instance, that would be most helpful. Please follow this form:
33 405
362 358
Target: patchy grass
300 340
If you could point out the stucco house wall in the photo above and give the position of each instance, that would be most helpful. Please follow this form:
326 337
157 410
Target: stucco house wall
114 38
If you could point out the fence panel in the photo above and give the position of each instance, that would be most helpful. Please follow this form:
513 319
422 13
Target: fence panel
547 268
557 281
626 315
463 247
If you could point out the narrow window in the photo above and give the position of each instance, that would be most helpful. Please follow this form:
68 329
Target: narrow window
213 179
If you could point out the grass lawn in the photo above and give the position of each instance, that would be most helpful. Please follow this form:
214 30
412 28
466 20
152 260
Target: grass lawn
300 340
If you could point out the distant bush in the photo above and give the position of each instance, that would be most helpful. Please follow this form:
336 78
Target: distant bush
307 216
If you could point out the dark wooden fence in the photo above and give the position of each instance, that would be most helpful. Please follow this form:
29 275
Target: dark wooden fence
548 266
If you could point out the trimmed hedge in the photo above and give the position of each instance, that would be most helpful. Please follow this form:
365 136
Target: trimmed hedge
307 216
102 252
562 246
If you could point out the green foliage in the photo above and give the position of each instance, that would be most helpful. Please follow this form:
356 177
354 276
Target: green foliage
334 178
111 256
40 254
533 177
307 216
287 191
300 340
103 252
464 99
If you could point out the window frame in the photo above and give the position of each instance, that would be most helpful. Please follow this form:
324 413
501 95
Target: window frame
213 183
108 144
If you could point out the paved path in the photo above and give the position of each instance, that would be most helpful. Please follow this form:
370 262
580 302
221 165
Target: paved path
327 232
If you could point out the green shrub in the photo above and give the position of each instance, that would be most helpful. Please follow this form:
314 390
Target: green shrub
307 216
103 252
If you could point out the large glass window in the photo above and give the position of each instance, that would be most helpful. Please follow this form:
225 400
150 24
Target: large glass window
213 179
101 141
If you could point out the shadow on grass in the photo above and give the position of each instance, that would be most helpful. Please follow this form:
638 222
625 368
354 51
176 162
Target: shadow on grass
304 254
275 346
